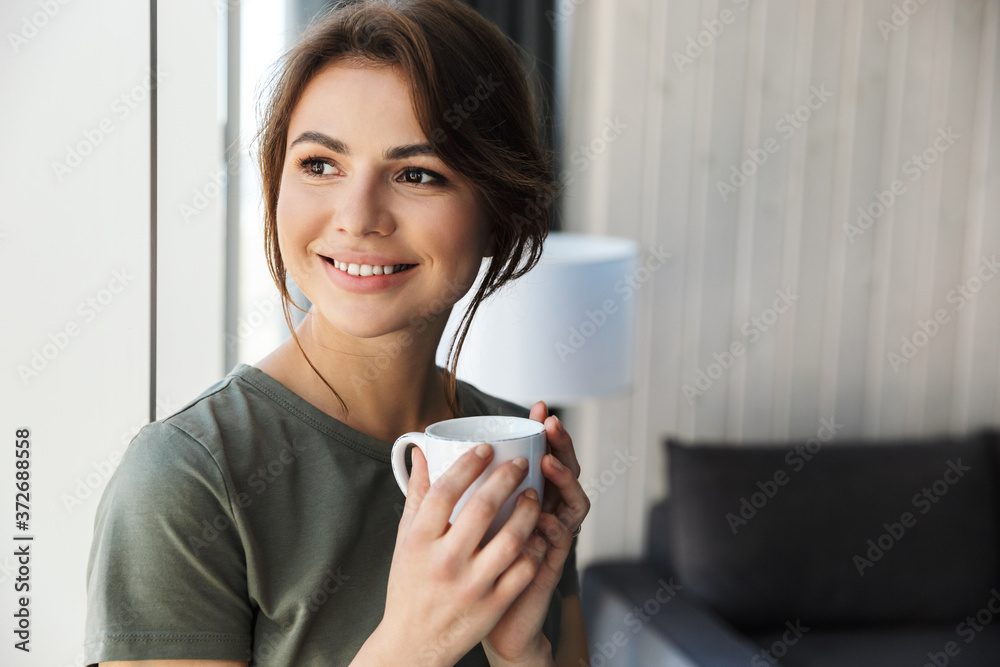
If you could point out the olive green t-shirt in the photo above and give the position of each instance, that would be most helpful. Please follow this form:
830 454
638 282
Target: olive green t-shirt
251 525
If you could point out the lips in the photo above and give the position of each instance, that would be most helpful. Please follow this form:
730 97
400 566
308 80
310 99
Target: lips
367 269
367 284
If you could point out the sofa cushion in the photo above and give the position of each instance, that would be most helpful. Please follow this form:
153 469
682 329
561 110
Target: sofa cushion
955 644
631 607
837 532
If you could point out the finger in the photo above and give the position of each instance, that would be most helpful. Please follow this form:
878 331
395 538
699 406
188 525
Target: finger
561 444
569 493
539 411
440 500
523 570
560 539
416 489
507 545
482 507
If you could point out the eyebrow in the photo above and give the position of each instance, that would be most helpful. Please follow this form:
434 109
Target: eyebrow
338 146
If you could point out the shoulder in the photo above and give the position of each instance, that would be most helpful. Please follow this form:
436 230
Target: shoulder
228 417
163 463
474 401
188 447
222 407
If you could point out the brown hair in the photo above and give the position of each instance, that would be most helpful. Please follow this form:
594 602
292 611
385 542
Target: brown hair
473 101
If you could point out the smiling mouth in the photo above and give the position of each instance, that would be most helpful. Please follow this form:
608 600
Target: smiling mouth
365 270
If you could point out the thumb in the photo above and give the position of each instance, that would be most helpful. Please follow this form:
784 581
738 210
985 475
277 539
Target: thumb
416 489
539 411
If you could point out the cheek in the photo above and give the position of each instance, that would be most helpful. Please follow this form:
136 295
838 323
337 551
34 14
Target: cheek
293 230
284 221
297 216
289 207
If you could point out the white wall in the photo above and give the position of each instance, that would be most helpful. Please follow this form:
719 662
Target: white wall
690 123
79 81
191 197
260 325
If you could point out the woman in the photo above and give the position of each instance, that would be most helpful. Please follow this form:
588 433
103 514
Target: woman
261 523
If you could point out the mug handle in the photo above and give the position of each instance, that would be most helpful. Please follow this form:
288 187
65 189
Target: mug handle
398 457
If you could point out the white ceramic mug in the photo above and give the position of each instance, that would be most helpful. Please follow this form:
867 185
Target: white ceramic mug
444 442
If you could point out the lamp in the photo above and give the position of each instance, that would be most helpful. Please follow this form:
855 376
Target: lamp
561 333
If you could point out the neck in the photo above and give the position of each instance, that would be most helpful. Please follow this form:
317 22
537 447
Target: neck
390 384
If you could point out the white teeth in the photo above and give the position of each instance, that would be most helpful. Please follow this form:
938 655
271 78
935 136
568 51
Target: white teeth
368 269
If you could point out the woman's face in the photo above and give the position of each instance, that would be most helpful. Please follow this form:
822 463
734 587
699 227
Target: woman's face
360 185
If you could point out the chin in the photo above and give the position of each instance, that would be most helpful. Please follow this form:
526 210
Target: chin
362 325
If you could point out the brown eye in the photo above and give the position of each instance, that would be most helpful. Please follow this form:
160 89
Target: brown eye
420 176
312 166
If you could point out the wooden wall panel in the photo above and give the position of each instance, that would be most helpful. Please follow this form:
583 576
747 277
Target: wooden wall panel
897 83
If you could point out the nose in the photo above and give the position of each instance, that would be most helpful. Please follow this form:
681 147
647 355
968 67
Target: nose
361 207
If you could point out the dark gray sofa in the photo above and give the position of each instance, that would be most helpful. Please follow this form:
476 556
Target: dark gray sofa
813 554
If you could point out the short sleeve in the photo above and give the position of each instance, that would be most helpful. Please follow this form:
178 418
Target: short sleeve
569 584
167 574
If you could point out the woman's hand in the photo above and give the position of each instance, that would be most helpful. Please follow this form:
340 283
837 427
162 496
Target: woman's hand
517 638
444 593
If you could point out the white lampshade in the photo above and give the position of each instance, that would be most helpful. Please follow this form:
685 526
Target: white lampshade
561 333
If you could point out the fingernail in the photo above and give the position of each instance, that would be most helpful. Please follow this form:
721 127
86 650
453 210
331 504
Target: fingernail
483 450
559 425
531 493
521 462
557 464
